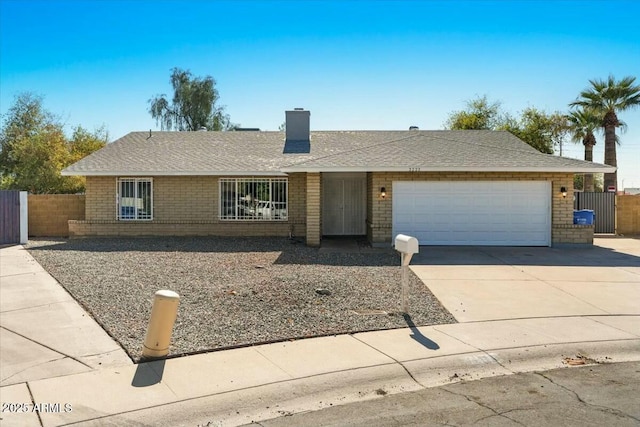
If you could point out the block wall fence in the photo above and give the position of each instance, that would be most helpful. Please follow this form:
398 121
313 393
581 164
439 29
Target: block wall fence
628 215
49 214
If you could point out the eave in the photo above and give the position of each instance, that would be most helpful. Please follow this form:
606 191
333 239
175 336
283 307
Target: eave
600 169
173 173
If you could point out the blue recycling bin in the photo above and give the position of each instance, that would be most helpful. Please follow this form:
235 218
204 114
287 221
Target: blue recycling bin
584 217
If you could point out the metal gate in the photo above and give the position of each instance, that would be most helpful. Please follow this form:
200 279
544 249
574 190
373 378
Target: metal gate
604 207
9 217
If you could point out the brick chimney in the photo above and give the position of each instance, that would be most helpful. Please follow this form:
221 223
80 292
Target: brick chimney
297 124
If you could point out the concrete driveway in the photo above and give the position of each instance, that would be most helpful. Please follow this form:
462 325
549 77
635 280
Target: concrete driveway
493 283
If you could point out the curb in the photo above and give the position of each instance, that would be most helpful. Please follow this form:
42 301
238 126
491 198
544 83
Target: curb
267 401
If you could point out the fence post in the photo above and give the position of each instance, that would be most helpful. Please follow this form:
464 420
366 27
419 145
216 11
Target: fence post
24 218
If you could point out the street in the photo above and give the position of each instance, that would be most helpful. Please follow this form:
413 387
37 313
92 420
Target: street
594 395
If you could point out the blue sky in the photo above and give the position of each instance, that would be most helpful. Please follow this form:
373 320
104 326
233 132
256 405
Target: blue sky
354 64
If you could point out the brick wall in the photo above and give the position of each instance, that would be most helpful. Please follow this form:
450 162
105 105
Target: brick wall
379 219
628 214
313 190
100 198
189 206
49 214
183 205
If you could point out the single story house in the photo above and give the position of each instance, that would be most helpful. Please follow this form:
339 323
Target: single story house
443 187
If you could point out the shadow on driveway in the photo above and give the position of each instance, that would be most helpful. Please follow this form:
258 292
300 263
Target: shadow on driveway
595 256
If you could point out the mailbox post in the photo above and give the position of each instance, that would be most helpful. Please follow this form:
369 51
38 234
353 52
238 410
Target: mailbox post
407 246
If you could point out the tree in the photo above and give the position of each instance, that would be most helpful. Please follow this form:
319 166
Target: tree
193 106
83 142
540 130
582 125
480 114
609 98
34 149
578 182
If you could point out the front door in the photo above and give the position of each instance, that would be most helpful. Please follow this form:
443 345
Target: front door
344 204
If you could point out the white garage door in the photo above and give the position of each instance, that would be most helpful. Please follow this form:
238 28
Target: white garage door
496 213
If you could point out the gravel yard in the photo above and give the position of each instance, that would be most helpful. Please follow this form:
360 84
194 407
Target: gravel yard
233 291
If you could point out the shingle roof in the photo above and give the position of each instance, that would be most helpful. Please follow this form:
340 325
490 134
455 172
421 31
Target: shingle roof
266 153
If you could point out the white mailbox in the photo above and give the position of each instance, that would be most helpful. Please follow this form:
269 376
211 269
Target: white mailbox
406 244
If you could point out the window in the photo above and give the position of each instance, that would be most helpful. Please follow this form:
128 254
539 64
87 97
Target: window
263 199
135 199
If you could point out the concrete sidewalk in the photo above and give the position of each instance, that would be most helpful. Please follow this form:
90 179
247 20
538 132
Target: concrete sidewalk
44 331
55 355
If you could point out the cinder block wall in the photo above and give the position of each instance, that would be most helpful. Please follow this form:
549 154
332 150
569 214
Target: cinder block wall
628 214
49 214
379 215
183 205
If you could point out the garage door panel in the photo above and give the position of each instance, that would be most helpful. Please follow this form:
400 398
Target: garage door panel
473 213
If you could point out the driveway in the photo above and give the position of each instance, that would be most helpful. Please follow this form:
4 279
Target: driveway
493 283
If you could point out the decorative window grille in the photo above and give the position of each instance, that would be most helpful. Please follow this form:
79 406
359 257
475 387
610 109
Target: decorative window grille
253 199
135 199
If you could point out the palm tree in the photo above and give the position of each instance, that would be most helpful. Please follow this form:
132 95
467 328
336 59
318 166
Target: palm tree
582 124
609 98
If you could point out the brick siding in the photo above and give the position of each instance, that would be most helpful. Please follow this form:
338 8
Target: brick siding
189 206
183 205
314 225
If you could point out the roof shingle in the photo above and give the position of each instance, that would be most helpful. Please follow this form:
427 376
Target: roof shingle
232 153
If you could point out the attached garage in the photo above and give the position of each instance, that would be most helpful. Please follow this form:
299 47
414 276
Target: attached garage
474 213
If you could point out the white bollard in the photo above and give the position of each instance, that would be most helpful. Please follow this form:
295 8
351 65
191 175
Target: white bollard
163 316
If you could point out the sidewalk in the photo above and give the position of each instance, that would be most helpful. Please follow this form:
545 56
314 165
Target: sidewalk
54 353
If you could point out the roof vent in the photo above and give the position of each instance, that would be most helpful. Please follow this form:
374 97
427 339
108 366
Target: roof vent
414 128
203 129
